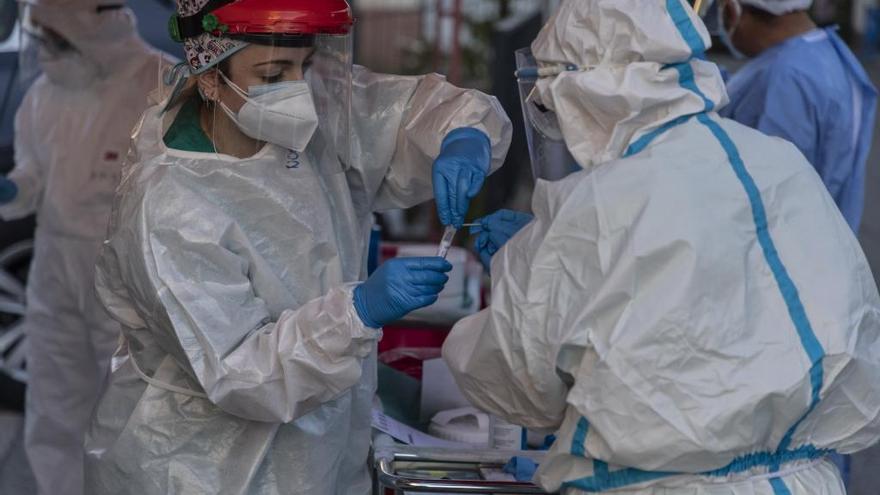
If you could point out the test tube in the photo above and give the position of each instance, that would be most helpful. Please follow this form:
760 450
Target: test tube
446 242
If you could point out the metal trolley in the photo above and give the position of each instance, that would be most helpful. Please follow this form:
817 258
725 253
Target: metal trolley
401 469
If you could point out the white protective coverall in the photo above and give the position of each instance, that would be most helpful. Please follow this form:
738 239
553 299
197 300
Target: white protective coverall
71 136
233 280
690 313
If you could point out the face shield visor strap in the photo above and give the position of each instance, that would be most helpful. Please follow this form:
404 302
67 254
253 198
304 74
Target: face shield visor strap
291 41
267 17
551 159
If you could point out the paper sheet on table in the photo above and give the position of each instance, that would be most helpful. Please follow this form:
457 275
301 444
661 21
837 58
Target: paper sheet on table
409 435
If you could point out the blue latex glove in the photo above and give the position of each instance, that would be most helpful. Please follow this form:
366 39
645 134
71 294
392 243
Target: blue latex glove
459 172
399 287
8 190
495 230
522 468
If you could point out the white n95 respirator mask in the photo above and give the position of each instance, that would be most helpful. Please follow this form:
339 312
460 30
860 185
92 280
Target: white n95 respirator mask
281 113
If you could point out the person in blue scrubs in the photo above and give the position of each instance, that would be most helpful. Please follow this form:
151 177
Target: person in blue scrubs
806 86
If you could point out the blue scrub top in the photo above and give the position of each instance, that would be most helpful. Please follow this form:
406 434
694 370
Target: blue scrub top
811 90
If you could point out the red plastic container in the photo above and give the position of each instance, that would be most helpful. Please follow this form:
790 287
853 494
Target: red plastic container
406 348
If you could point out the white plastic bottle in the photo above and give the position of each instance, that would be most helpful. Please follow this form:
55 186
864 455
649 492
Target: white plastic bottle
504 435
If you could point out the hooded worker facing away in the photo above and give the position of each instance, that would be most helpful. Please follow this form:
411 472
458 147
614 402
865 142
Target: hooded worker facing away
690 313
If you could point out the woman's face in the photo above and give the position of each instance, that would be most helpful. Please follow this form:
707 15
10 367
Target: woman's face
259 65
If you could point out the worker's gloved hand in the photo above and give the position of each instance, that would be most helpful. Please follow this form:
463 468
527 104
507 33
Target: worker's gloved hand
459 172
399 287
8 191
495 230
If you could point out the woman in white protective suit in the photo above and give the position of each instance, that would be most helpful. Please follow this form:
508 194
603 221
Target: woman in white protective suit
690 312
237 247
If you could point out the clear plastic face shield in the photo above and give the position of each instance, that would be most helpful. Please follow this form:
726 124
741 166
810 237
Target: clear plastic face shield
550 157
291 94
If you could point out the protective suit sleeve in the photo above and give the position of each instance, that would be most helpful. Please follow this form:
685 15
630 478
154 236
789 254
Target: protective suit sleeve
29 173
400 123
287 368
516 359
251 364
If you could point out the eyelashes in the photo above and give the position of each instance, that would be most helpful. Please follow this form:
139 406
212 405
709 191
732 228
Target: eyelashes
274 78
278 77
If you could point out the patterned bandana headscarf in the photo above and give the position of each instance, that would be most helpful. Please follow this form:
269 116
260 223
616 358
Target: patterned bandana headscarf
206 50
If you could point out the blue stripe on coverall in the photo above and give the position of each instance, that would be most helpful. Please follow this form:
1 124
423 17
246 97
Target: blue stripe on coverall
603 480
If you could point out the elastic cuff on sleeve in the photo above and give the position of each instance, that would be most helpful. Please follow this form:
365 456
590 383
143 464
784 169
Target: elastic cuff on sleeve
464 133
355 314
